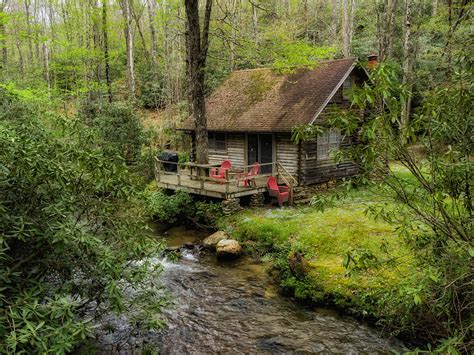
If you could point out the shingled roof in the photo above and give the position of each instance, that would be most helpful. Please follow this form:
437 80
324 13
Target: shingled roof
260 100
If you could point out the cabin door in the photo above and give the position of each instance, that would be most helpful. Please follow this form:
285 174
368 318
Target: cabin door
260 149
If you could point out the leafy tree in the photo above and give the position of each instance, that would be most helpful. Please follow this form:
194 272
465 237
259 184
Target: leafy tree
118 127
435 199
72 230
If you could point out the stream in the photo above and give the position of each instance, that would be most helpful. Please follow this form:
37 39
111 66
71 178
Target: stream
235 307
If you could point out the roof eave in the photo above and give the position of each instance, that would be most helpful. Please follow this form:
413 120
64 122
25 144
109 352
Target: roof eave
334 91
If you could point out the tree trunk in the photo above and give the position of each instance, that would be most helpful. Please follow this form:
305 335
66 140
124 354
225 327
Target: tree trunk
96 38
3 41
37 34
434 11
335 16
197 46
28 31
47 75
255 23
125 4
106 50
137 18
351 24
385 29
346 44
407 67
151 17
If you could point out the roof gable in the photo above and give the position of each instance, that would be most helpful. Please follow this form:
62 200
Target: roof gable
259 100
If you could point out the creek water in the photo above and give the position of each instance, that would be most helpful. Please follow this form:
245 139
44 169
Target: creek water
235 307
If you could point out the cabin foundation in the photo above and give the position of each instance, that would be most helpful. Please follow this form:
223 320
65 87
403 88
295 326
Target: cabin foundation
257 200
231 206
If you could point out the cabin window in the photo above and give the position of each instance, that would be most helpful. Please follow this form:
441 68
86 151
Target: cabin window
346 88
327 141
217 141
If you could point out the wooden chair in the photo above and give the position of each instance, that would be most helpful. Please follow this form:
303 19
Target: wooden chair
249 177
280 192
219 173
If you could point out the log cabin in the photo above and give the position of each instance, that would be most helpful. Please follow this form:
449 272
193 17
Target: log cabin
250 118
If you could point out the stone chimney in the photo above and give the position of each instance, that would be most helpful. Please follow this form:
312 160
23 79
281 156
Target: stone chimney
373 61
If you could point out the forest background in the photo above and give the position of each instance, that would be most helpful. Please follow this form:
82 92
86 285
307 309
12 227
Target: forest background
78 78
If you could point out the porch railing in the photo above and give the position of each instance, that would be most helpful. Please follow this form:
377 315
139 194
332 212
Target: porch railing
201 173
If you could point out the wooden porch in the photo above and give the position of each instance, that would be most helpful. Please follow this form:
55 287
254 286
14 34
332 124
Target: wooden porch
194 178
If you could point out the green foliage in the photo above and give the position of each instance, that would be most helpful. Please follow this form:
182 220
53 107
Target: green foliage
153 93
258 87
71 225
118 127
168 208
180 206
304 132
70 71
297 54
435 194
372 286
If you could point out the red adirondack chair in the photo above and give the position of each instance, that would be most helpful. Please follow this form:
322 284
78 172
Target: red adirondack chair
219 173
249 177
280 192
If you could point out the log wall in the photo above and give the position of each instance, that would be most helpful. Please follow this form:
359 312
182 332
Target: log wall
316 171
235 151
287 153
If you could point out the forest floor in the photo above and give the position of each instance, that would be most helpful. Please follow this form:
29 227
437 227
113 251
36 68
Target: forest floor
310 250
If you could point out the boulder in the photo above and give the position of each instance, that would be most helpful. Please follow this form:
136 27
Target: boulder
298 264
213 239
228 249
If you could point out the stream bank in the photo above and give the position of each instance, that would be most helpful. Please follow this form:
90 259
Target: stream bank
236 307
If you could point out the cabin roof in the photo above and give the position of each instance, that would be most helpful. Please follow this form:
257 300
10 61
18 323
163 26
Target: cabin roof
260 100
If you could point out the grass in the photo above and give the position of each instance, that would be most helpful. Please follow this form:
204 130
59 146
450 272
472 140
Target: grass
324 239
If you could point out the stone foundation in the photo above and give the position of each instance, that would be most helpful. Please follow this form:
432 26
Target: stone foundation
231 206
257 200
302 194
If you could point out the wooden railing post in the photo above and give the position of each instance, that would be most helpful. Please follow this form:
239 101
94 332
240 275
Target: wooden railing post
227 181
157 170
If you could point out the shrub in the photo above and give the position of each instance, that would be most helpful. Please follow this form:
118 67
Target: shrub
181 206
117 126
70 227
168 208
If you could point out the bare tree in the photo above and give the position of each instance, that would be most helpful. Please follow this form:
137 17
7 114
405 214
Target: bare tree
125 4
255 22
106 50
385 28
407 64
347 26
3 42
151 18
335 16
197 44
28 31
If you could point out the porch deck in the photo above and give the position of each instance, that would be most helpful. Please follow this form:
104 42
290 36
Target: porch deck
193 178
210 188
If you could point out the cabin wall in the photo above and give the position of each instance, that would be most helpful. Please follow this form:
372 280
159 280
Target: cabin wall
235 151
316 171
287 153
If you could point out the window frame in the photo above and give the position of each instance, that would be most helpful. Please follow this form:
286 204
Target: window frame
213 142
327 143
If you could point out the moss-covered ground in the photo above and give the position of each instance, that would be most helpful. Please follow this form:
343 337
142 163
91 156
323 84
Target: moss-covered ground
309 251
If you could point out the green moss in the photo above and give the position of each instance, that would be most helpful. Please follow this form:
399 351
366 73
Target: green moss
325 238
258 86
